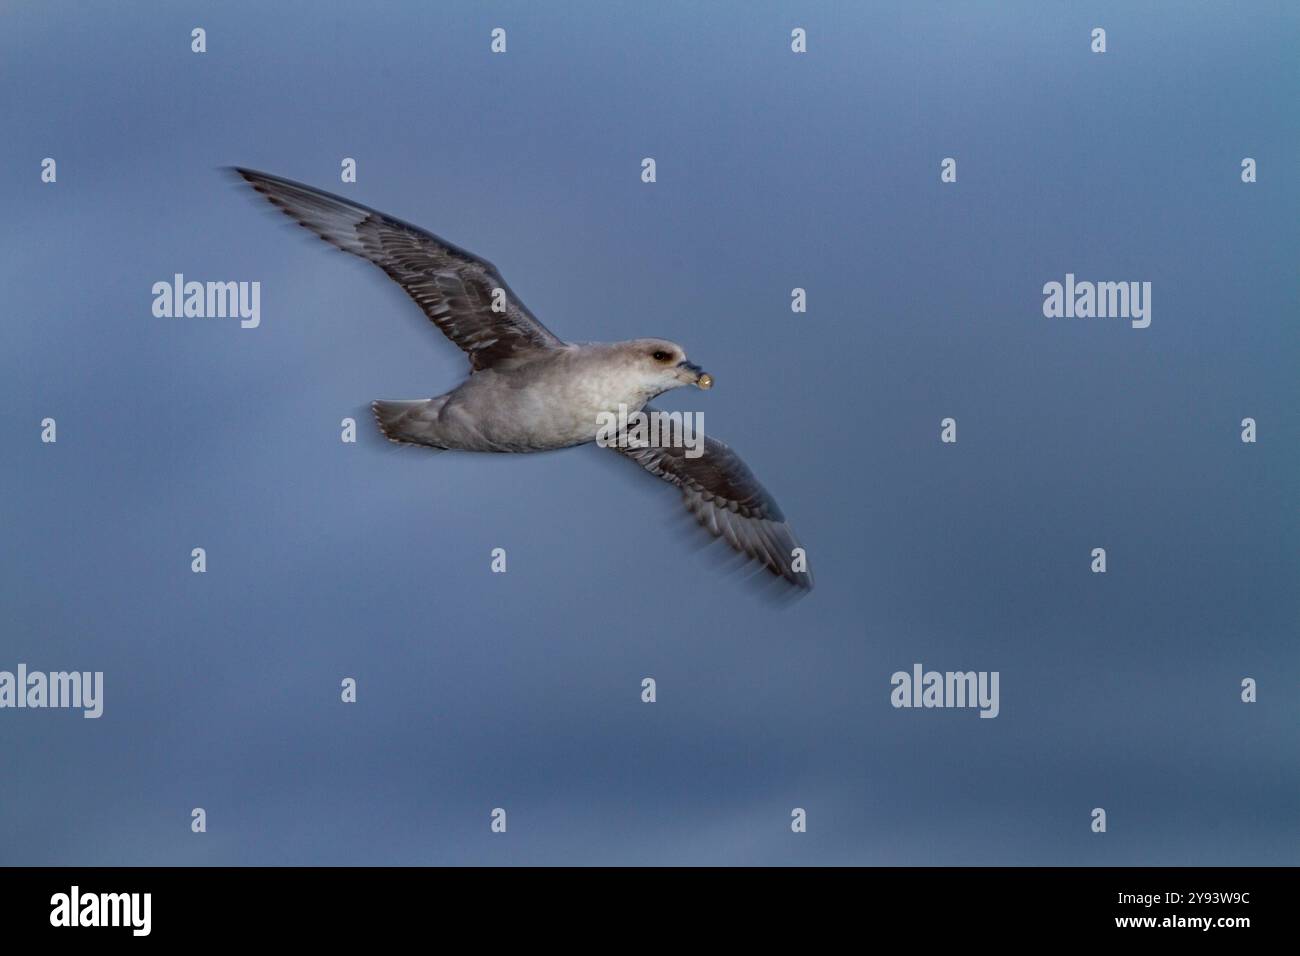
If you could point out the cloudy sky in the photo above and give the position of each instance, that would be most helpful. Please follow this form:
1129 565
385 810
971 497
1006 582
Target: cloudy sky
522 691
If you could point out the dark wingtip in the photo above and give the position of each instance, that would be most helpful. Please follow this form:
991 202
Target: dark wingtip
799 580
241 176
254 177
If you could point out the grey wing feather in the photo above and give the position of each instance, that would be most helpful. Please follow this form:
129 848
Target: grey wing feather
727 500
452 286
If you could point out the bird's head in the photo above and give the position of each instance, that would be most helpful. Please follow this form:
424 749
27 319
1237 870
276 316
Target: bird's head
662 365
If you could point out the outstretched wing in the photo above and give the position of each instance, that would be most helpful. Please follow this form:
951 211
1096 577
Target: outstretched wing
453 287
725 497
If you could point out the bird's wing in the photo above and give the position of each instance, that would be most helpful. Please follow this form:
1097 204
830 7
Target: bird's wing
725 497
453 287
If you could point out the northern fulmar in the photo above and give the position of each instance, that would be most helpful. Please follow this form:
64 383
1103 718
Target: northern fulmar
527 389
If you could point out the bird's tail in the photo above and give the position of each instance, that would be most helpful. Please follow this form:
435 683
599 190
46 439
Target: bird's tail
414 423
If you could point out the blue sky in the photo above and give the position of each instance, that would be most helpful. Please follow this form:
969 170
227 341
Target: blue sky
522 690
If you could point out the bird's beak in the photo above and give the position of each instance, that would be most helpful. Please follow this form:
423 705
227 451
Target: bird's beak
698 376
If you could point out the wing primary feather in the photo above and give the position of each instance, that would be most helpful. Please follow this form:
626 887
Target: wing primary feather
725 498
454 288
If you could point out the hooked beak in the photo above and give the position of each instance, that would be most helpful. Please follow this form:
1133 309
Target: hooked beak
698 376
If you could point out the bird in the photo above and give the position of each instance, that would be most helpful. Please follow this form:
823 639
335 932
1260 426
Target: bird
528 390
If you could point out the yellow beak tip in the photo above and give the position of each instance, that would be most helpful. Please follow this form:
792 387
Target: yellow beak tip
705 381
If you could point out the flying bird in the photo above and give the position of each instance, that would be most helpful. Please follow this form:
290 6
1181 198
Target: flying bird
527 389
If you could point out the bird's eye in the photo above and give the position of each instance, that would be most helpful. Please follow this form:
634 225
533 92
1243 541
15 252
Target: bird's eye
660 356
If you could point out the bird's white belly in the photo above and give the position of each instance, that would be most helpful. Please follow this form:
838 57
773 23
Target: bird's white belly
534 415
